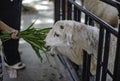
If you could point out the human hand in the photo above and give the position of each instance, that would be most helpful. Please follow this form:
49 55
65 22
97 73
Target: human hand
14 34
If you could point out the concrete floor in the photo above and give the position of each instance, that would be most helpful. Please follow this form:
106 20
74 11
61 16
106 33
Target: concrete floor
51 70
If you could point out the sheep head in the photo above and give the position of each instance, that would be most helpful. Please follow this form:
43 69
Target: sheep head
70 33
61 41
61 34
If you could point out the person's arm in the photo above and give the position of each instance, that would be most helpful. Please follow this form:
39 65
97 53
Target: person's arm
5 27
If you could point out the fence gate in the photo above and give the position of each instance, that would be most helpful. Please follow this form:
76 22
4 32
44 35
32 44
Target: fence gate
71 10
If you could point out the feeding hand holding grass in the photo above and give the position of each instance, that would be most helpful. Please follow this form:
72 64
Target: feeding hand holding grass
35 37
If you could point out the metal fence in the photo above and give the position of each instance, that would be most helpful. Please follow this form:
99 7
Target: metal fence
70 10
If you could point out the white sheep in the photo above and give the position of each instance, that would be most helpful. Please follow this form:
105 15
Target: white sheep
104 11
70 38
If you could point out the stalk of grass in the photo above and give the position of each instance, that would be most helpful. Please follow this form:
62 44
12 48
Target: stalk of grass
35 37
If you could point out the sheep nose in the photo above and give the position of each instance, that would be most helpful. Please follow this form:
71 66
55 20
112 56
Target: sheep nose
52 54
48 46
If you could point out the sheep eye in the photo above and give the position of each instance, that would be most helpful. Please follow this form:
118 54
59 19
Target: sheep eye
62 27
56 34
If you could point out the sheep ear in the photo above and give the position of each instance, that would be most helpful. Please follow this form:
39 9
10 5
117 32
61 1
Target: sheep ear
69 39
69 34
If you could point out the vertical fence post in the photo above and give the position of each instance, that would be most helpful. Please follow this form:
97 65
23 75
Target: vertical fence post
86 66
86 19
64 9
106 56
56 10
91 22
69 7
99 56
77 14
116 74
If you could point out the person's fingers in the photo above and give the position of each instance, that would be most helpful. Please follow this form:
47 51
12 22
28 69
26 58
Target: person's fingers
15 35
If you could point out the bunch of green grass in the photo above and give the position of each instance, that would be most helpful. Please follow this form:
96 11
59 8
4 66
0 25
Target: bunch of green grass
35 37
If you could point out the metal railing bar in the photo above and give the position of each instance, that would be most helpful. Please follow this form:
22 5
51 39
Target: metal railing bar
69 6
72 74
106 56
57 10
63 10
77 14
86 66
99 56
111 75
116 74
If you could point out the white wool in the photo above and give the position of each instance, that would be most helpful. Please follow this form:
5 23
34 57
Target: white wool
79 36
104 11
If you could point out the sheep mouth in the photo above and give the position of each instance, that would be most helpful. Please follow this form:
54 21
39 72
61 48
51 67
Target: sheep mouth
48 47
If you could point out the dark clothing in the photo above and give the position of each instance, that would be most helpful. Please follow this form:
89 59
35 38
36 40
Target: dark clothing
10 13
1 73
